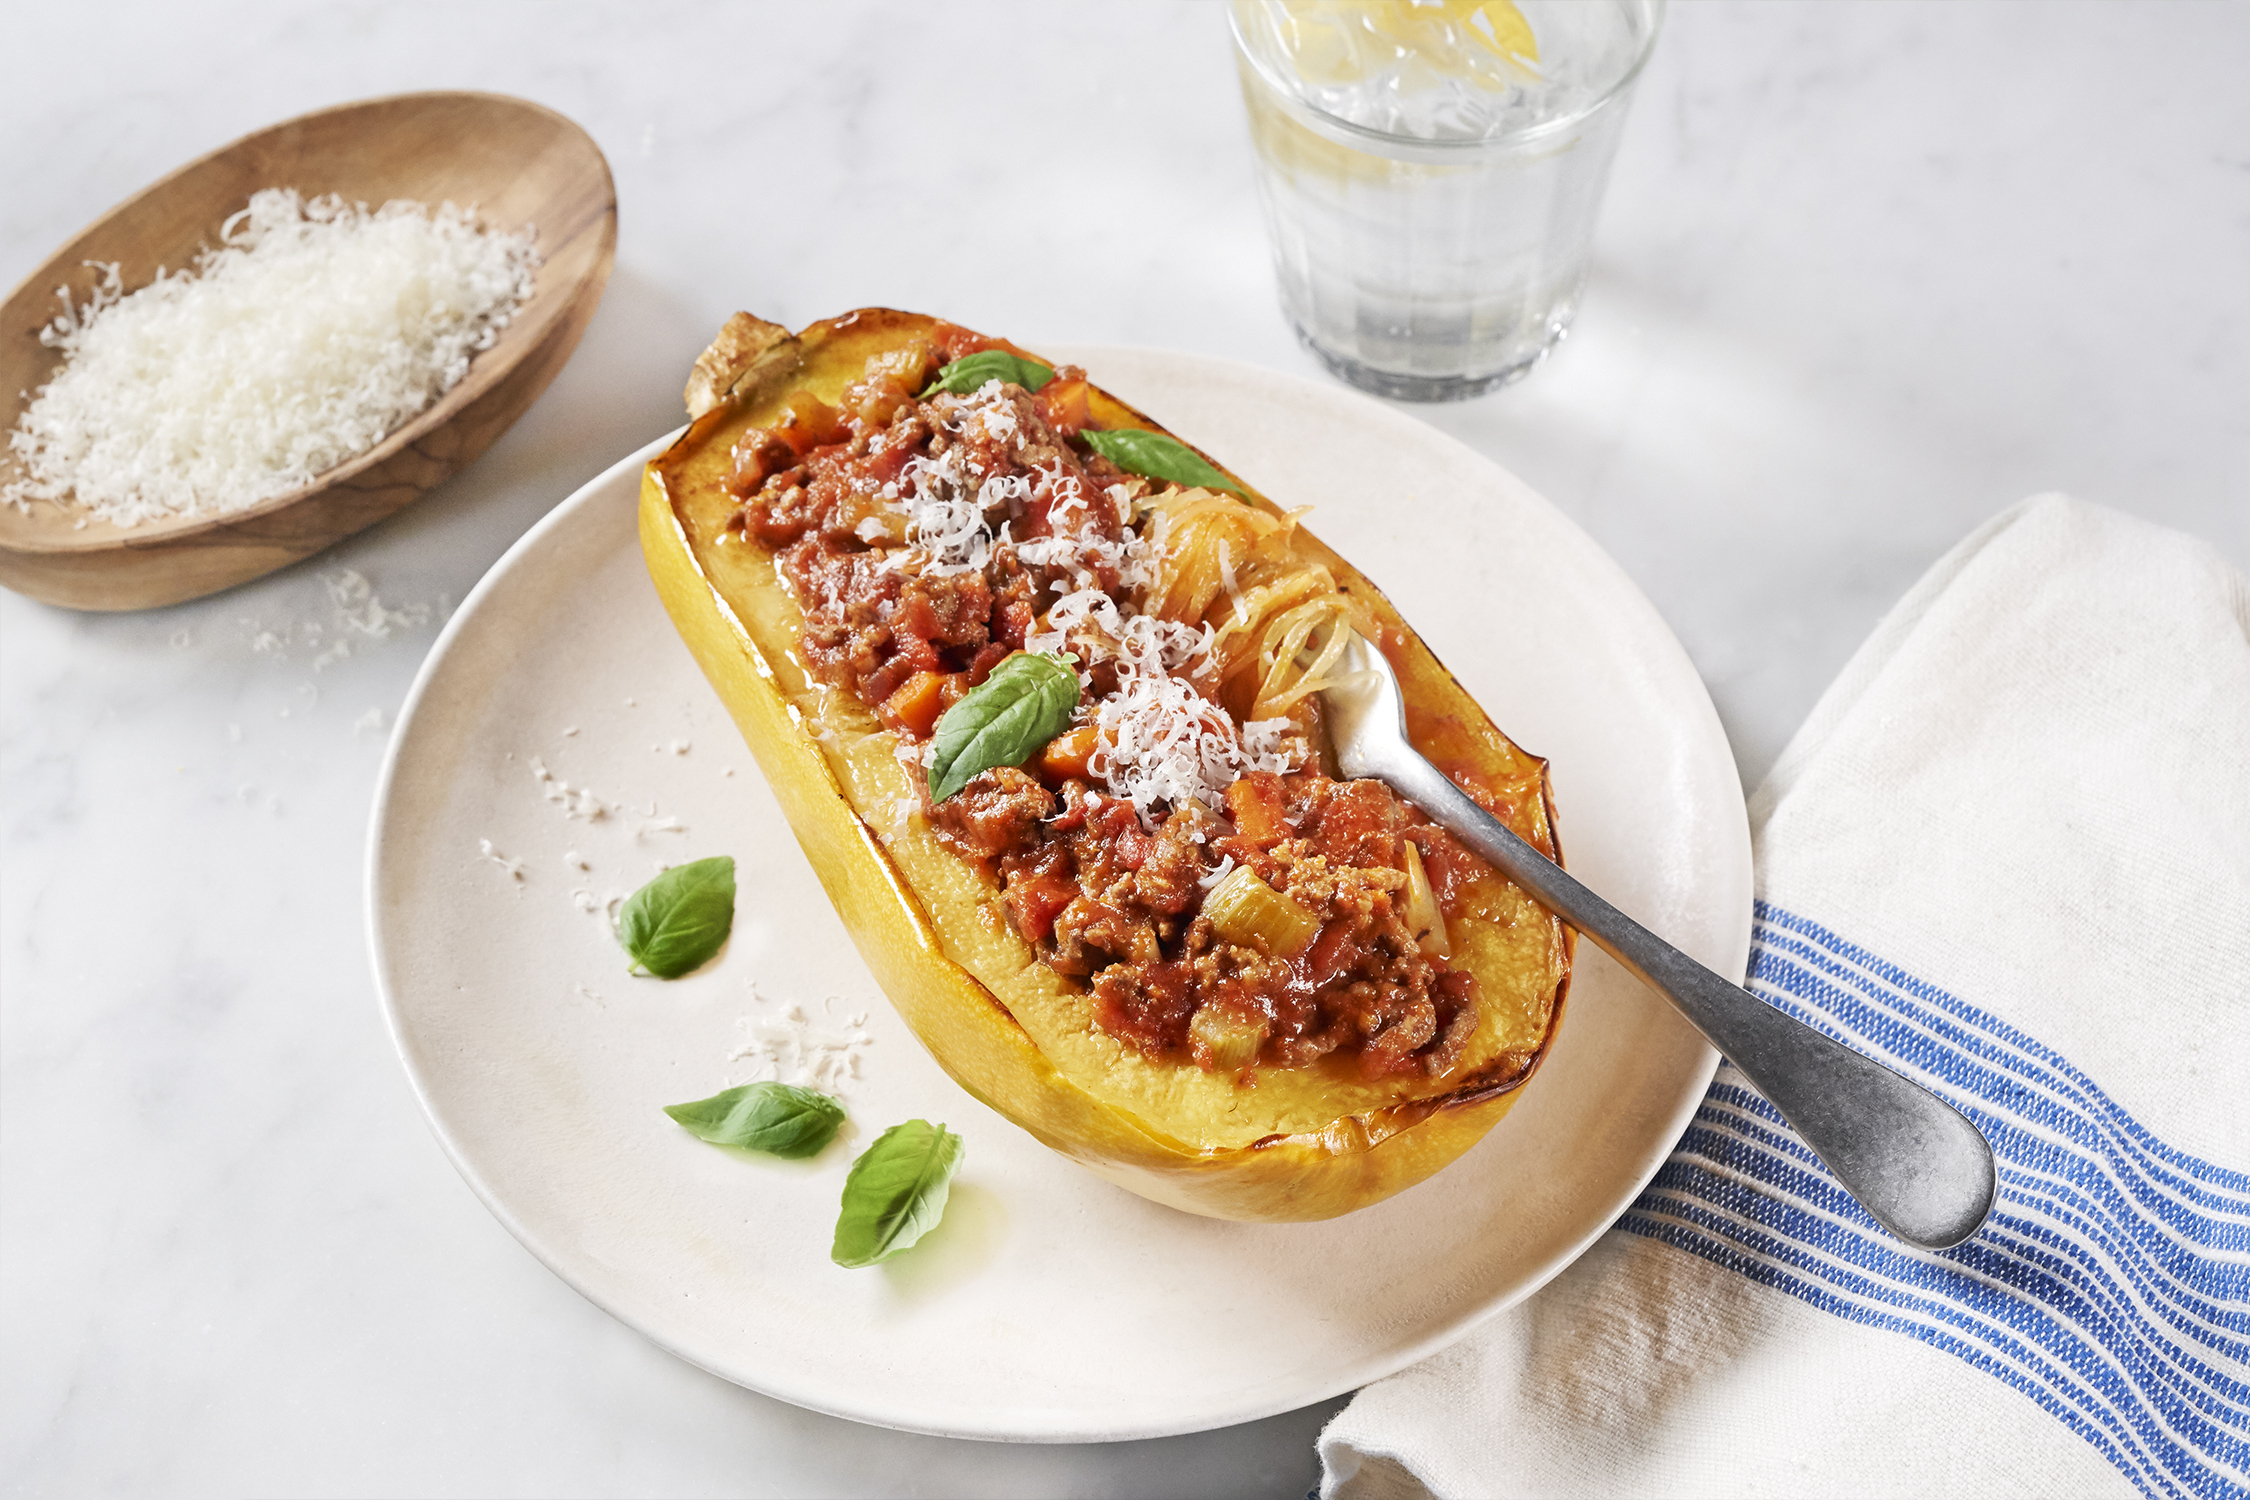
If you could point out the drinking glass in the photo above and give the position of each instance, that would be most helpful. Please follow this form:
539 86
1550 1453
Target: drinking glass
1431 170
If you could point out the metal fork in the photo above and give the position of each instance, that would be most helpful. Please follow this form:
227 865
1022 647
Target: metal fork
1913 1160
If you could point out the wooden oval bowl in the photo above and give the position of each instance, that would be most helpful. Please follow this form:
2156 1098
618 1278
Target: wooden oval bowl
516 162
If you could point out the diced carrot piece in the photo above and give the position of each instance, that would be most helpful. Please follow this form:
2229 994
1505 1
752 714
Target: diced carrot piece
1066 404
1254 803
914 708
1067 753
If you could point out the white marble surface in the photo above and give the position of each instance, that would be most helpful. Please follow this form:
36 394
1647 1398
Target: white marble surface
1866 275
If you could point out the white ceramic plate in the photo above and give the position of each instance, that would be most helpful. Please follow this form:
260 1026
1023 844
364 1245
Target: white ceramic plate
1049 1305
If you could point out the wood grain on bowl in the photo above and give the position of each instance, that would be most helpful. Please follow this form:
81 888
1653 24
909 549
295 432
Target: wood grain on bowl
516 162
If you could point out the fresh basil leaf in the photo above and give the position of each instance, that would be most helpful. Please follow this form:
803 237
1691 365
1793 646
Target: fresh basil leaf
677 921
971 371
779 1118
1158 455
896 1192
1026 702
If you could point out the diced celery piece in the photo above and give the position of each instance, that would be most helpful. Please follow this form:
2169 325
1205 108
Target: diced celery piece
1248 911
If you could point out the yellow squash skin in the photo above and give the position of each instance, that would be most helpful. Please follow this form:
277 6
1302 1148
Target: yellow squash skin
1299 1144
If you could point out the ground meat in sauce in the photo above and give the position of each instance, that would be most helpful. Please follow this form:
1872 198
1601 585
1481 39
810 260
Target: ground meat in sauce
1102 898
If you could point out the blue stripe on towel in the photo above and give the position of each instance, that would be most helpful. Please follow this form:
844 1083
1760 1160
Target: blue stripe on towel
2112 1284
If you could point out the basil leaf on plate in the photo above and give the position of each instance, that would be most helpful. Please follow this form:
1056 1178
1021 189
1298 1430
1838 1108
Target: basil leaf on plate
1159 456
895 1193
1026 702
677 921
779 1118
971 371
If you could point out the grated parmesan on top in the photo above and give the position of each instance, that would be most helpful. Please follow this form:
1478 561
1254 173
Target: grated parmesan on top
1158 742
950 505
314 329
1162 742
946 527
1136 558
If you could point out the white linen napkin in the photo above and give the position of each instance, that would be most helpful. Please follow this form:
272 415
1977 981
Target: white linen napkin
2009 853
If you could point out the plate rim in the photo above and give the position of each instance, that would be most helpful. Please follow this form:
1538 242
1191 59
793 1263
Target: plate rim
1696 1082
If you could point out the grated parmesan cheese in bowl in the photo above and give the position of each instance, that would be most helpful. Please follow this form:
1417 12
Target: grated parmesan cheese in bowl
314 330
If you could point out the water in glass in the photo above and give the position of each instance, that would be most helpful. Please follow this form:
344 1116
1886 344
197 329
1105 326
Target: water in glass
1431 171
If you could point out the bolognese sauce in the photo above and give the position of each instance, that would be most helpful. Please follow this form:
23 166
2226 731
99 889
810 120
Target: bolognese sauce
1178 850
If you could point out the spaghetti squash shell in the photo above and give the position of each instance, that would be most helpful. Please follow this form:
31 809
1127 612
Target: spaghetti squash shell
1294 1144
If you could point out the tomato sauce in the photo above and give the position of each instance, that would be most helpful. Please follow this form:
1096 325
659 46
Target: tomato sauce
912 593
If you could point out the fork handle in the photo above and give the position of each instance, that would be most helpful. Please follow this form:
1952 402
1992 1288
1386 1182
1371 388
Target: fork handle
1916 1163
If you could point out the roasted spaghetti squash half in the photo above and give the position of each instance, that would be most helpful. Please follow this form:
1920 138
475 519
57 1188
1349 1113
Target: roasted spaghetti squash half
1147 925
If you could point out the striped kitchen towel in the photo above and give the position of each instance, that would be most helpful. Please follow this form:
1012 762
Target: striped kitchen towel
2010 854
